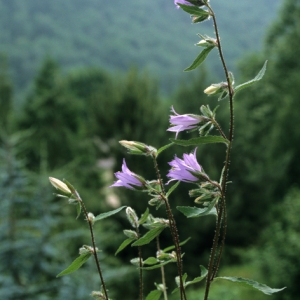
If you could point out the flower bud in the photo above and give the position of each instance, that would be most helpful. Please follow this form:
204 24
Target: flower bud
135 261
91 218
207 42
131 234
86 249
59 185
138 148
132 217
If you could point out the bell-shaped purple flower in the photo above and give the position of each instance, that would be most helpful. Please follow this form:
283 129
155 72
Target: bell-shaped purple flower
185 2
128 179
186 169
183 122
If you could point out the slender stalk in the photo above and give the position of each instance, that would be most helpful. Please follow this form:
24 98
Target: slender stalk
222 216
173 229
93 241
141 265
162 270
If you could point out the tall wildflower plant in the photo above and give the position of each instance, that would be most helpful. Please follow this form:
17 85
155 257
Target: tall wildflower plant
209 194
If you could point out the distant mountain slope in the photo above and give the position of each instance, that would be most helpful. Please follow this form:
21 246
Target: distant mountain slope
116 34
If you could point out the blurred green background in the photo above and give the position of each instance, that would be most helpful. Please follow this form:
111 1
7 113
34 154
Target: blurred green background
78 76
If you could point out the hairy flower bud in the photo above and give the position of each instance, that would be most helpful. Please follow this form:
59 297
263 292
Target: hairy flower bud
132 217
59 185
131 234
138 148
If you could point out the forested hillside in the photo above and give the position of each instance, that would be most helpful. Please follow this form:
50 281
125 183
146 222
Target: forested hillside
117 34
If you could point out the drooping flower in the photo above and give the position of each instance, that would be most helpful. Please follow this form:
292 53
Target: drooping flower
183 122
189 2
186 169
128 179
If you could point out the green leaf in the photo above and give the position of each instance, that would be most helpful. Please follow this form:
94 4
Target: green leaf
76 264
159 265
195 10
173 247
124 245
151 261
199 59
172 188
195 280
258 77
78 209
108 214
149 236
154 295
144 217
194 212
255 285
201 140
163 148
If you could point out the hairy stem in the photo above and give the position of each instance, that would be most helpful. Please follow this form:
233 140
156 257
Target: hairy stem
214 262
173 229
162 270
93 242
141 265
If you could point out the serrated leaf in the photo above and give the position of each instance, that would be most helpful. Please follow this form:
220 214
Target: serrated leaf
154 295
199 59
253 284
194 212
173 247
209 139
108 214
194 10
124 245
258 77
172 188
151 261
76 264
149 236
144 217
163 148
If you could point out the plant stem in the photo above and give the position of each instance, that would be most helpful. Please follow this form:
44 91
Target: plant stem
173 229
141 265
76 194
222 215
162 270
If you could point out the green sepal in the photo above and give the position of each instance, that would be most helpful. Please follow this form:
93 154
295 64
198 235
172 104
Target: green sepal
108 214
154 295
76 264
194 10
223 96
258 77
124 245
209 139
195 280
78 209
163 148
173 247
172 188
199 59
194 212
253 284
149 236
144 217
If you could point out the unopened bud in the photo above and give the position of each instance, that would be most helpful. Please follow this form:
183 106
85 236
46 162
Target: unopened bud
91 218
59 185
138 148
86 249
131 234
132 217
136 261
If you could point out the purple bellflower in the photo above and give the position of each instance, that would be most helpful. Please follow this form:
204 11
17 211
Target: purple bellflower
183 122
128 179
185 2
185 169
